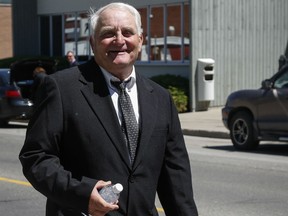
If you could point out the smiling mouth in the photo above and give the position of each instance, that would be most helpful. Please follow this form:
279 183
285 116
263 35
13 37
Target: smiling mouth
118 51
115 53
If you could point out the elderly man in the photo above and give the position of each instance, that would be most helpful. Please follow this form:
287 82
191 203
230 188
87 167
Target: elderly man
102 123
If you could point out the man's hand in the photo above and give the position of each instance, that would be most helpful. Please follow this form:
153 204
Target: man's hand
97 205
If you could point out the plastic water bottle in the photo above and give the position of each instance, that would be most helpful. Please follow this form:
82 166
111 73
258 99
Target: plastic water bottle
111 193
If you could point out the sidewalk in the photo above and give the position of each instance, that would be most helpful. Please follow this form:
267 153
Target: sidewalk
204 123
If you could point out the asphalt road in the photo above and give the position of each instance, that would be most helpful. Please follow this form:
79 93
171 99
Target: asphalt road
233 183
226 182
17 197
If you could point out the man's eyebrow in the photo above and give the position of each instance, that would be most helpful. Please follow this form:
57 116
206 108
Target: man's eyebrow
111 28
106 29
128 28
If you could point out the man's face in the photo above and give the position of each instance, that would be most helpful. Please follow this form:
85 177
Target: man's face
116 42
70 57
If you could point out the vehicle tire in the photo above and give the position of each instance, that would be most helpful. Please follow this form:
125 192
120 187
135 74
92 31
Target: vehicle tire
242 132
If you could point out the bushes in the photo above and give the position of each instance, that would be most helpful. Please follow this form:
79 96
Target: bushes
180 99
178 87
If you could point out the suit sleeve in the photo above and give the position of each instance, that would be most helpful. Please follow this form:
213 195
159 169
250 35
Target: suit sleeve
175 183
40 155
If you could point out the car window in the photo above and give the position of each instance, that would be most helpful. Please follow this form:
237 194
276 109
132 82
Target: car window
282 81
4 78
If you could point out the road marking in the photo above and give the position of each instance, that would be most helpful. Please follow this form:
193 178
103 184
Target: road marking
25 183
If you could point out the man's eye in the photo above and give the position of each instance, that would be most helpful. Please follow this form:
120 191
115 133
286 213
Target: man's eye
107 35
127 33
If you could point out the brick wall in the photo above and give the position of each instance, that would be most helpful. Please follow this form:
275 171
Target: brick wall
5 32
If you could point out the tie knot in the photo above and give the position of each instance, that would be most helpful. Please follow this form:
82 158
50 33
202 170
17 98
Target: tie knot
120 85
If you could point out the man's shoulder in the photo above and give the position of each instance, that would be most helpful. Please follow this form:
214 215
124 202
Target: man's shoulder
67 72
66 76
151 84
75 63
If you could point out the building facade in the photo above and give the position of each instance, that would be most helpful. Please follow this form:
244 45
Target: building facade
245 38
6 29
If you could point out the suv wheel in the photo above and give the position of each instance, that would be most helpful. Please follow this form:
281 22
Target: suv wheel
241 131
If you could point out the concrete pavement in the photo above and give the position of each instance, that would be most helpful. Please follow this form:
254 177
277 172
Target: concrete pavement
204 123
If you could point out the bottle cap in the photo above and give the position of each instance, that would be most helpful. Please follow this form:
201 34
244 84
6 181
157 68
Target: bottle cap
117 188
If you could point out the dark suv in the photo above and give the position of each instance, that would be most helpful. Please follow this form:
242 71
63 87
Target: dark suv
261 114
16 87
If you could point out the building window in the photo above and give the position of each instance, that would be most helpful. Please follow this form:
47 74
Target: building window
77 34
51 35
165 33
45 35
57 35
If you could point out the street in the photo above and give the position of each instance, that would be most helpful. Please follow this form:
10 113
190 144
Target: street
232 183
226 182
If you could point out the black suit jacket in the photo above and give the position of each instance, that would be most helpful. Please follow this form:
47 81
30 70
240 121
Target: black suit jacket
74 139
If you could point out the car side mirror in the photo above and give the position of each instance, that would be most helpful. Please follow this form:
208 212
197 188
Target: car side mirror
267 84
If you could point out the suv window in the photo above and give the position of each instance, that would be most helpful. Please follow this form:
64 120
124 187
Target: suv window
282 81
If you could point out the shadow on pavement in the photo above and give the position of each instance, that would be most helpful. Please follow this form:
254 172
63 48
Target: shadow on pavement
268 148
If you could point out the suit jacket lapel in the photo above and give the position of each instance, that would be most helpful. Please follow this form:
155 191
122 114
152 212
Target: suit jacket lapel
148 104
97 95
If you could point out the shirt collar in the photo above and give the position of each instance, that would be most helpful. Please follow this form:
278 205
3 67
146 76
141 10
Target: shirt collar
109 77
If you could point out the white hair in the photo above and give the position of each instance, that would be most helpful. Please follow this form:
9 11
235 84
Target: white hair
94 15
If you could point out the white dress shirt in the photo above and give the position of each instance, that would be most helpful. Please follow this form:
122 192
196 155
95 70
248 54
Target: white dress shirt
131 89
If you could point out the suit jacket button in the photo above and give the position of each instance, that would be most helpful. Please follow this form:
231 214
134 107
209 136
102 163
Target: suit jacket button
131 178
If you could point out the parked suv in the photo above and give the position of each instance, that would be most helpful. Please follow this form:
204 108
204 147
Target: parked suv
16 87
261 114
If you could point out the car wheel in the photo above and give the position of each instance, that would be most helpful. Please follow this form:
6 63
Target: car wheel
242 132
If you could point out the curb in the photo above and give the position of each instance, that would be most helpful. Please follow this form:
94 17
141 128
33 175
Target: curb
187 132
205 133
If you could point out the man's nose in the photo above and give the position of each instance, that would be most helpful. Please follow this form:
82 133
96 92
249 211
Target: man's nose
119 39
